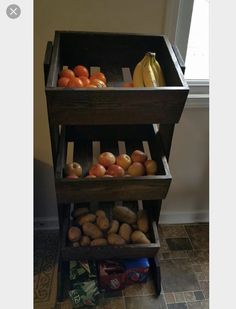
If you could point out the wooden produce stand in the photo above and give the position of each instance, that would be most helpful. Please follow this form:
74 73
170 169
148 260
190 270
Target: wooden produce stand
136 117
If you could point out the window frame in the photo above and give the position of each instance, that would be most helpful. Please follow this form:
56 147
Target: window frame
177 28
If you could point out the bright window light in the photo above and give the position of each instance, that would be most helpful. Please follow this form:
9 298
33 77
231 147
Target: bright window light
197 58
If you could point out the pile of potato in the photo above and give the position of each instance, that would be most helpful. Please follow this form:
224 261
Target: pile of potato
91 229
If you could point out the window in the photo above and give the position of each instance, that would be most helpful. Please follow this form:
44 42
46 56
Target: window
197 57
184 26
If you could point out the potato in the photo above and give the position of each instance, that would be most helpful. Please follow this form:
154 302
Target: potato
115 239
103 223
125 231
91 230
75 244
139 237
142 221
79 211
74 233
124 214
100 213
114 227
99 242
85 241
86 218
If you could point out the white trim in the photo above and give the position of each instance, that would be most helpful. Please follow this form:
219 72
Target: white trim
46 223
198 94
183 217
171 19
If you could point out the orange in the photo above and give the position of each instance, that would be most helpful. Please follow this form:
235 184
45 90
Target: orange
63 81
91 86
85 80
98 75
81 70
97 82
128 84
67 73
75 83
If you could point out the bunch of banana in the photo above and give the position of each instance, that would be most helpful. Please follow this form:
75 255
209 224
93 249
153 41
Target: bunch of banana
148 72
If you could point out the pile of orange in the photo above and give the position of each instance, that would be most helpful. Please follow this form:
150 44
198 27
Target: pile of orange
79 78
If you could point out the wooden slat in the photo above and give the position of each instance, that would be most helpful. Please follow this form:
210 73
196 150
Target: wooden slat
127 76
113 75
62 152
83 154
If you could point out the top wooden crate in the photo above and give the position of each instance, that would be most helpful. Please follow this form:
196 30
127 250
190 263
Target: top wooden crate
114 54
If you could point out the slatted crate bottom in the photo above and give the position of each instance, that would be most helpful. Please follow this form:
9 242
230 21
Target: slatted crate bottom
109 252
84 143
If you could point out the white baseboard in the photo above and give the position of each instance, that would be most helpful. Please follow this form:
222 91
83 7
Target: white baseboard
51 223
183 217
46 223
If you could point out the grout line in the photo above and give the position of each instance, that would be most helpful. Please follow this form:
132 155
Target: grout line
188 236
124 301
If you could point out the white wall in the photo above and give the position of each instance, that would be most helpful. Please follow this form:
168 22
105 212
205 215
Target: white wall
187 199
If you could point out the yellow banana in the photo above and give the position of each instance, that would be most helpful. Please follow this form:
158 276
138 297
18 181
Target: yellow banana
160 73
138 75
155 71
148 74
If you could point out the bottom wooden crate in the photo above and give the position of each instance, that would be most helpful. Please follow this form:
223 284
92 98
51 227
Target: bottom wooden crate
68 252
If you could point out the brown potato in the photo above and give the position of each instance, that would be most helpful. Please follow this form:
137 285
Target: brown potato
139 237
85 241
92 230
115 239
100 213
86 218
124 214
74 233
79 211
125 231
103 223
142 221
99 242
114 227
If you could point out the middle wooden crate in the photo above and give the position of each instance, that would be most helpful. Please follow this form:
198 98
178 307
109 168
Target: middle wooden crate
84 143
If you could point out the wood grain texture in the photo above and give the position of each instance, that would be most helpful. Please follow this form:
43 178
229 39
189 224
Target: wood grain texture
112 189
116 105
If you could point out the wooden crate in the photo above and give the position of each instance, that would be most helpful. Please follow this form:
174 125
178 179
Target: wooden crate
108 252
117 139
115 55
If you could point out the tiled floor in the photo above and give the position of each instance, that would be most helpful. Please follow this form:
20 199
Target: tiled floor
184 259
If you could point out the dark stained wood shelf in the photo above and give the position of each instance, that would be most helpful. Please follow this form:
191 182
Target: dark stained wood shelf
112 117
114 104
100 252
117 188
